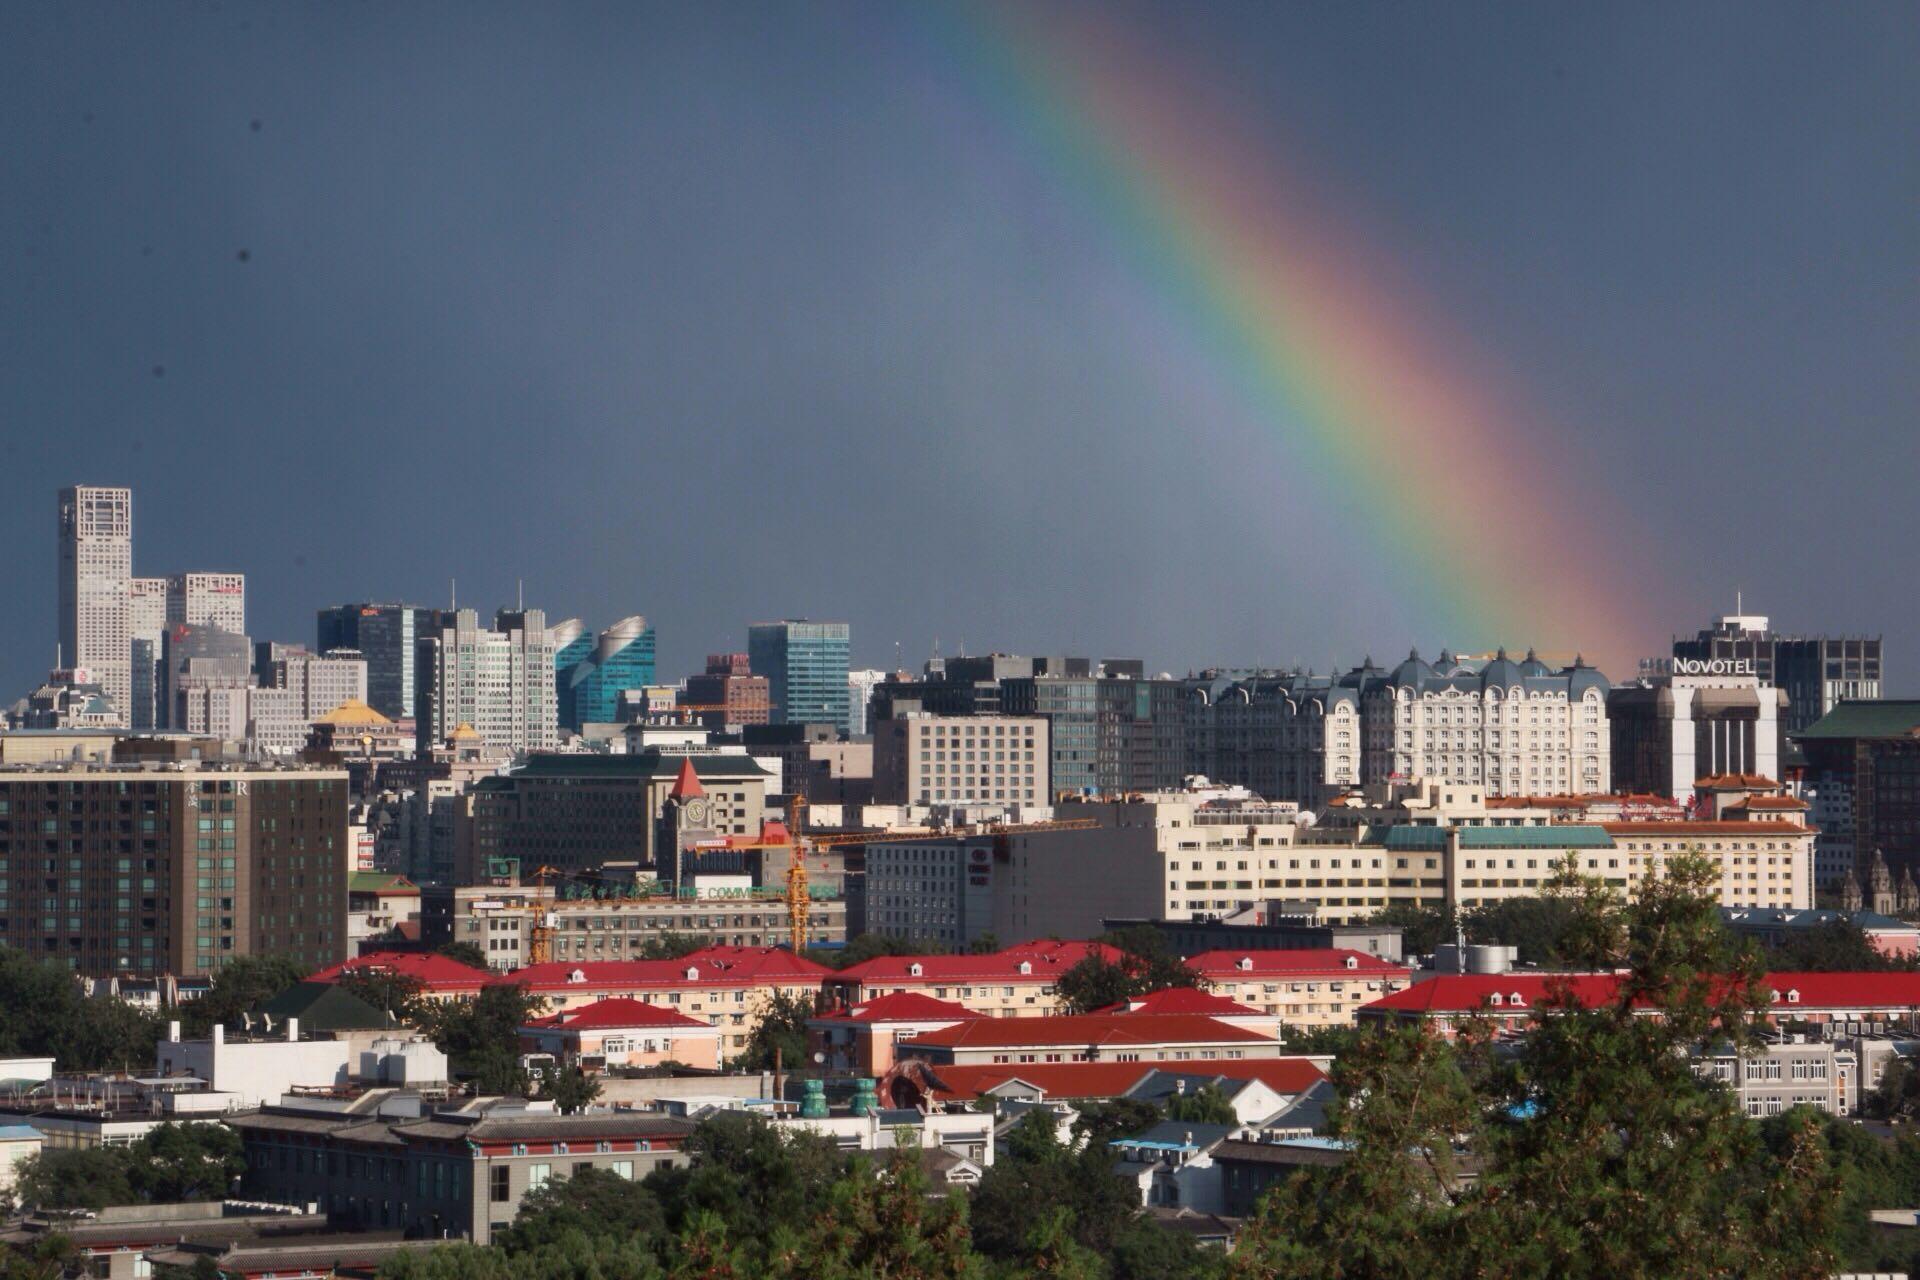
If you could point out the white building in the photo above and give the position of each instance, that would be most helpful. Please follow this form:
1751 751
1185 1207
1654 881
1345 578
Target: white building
500 681
208 600
96 563
258 1071
932 759
18 1143
146 620
860 687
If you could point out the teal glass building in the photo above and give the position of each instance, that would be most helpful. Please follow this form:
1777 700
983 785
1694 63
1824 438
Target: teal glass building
805 664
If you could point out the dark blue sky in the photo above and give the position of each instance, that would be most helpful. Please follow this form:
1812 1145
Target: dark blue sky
722 312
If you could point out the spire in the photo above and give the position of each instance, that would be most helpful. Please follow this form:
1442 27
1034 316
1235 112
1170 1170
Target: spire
687 785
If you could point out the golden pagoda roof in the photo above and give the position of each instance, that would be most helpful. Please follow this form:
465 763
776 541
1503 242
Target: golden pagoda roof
353 711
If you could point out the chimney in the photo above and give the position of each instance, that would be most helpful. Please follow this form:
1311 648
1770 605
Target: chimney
293 1030
219 1034
173 1031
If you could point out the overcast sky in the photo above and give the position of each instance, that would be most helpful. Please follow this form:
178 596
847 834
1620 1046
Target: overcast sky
716 313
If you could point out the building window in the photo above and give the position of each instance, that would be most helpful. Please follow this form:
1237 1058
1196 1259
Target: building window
497 1181
537 1176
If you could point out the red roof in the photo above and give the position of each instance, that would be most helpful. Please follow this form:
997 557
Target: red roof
432 971
615 1014
1304 961
1735 782
1056 1079
687 785
1181 1000
1048 960
1464 993
711 966
1769 802
1282 1075
1081 1030
902 1006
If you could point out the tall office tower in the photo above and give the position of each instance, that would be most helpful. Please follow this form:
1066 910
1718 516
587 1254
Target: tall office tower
860 687
200 666
146 620
1817 673
805 664
622 659
96 562
387 636
572 644
208 600
499 681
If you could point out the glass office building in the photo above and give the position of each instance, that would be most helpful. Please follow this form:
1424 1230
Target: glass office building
621 658
805 664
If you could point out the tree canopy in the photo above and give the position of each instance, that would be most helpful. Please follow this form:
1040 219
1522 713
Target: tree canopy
46 1015
1144 964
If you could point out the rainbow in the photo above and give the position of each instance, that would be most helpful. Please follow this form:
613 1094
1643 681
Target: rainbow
1463 495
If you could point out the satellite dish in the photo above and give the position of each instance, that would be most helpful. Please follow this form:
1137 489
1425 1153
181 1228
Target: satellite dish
1305 818
819 1059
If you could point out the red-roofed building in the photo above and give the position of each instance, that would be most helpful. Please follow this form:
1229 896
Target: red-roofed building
1205 1004
1015 983
730 987
1307 987
862 1037
622 1033
1128 1037
1511 1000
440 977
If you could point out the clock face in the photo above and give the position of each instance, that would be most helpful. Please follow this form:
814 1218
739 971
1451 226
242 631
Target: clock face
696 813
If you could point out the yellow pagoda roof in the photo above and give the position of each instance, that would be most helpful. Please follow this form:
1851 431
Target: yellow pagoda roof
353 711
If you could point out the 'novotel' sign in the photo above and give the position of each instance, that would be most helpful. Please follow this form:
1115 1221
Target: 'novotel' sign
1713 667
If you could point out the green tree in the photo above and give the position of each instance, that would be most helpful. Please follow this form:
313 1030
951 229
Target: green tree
187 1162
400 994
984 945
1144 1250
1035 1176
1422 927
238 986
1114 1118
45 1014
883 1223
595 1203
481 1037
1205 1105
467 953
51 1257
570 1089
1317 1041
1143 964
782 1025
76 1178
870 946
1838 946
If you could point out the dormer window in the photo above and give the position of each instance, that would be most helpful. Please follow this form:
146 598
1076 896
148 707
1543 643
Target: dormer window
1496 999
915 969
1353 962
1244 963
578 975
1793 996
1515 1000
692 973
1026 966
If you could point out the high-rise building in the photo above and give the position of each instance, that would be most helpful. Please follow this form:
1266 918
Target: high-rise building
146 621
1671 730
572 643
928 759
860 687
727 692
96 564
320 682
178 871
621 659
499 681
387 636
208 600
1817 673
1863 787
196 661
805 664
1111 730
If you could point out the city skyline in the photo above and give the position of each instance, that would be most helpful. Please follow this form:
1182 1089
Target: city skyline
1314 339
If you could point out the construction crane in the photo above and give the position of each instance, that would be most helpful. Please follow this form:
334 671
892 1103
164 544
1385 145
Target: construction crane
540 936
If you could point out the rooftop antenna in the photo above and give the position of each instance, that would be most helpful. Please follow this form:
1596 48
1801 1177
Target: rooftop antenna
453 595
520 597
1739 603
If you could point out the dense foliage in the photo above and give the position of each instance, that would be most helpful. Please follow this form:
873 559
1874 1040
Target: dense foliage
174 1162
242 984
783 1027
481 1037
1144 964
44 1014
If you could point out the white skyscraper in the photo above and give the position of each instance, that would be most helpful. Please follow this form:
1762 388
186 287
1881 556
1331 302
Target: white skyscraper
208 600
96 564
499 681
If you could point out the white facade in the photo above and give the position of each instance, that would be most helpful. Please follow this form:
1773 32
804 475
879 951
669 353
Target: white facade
208 600
932 759
96 564
860 687
256 1072
500 682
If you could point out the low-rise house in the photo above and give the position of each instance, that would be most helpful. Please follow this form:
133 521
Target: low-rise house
620 1032
1030 1083
1301 988
1018 982
1171 1165
386 1161
730 987
439 977
1205 1004
378 904
864 1037
1253 1100
1091 1038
